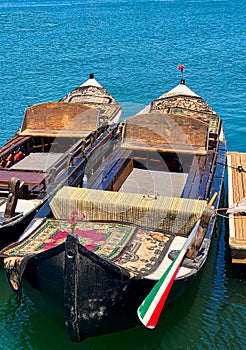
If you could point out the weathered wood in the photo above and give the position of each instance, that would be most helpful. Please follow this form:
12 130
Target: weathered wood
103 176
197 180
122 175
59 119
29 178
14 188
190 179
202 229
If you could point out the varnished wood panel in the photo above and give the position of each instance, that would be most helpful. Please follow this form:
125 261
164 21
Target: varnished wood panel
58 117
169 130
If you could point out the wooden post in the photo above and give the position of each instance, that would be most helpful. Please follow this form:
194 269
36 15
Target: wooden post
92 138
202 229
69 160
83 146
14 188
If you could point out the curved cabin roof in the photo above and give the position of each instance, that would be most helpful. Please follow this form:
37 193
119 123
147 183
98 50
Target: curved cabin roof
166 132
93 94
89 91
59 119
182 100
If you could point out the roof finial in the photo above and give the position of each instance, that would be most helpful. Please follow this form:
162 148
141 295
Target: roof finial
181 68
91 76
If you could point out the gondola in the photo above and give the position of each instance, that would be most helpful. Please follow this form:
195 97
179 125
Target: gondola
50 150
94 260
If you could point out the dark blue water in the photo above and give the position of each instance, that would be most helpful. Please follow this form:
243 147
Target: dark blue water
133 47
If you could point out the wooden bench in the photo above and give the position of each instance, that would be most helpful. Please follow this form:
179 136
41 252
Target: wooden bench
28 178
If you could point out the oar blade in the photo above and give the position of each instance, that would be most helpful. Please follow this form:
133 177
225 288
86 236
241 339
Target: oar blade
150 309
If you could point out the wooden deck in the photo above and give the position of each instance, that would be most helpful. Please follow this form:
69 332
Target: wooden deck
236 192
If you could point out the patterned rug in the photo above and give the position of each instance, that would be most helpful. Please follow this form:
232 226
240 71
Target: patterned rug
137 249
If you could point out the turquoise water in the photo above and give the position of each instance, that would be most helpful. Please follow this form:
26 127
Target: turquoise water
133 47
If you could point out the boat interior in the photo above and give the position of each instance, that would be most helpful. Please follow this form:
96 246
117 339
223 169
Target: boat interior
44 152
156 155
139 179
51 135
154 176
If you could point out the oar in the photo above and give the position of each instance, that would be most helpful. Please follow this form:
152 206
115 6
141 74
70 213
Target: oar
150 309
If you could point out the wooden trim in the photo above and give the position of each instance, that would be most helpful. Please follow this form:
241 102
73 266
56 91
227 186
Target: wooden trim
29 178
238 261
167 149
55 133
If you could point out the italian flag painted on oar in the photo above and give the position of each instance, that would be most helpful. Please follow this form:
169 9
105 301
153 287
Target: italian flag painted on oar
150 309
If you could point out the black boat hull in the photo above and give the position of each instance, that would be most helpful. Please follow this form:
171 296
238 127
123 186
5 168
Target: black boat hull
90 295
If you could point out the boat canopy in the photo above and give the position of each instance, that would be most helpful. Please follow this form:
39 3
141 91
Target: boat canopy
59 119
166 132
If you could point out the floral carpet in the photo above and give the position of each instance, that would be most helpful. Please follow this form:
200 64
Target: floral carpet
137 249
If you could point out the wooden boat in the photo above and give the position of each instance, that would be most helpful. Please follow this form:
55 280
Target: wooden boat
154 188
50 150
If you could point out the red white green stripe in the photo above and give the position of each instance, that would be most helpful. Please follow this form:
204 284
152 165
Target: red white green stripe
150 310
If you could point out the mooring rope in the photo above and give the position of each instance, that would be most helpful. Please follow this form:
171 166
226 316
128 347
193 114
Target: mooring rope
227 217
239 168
